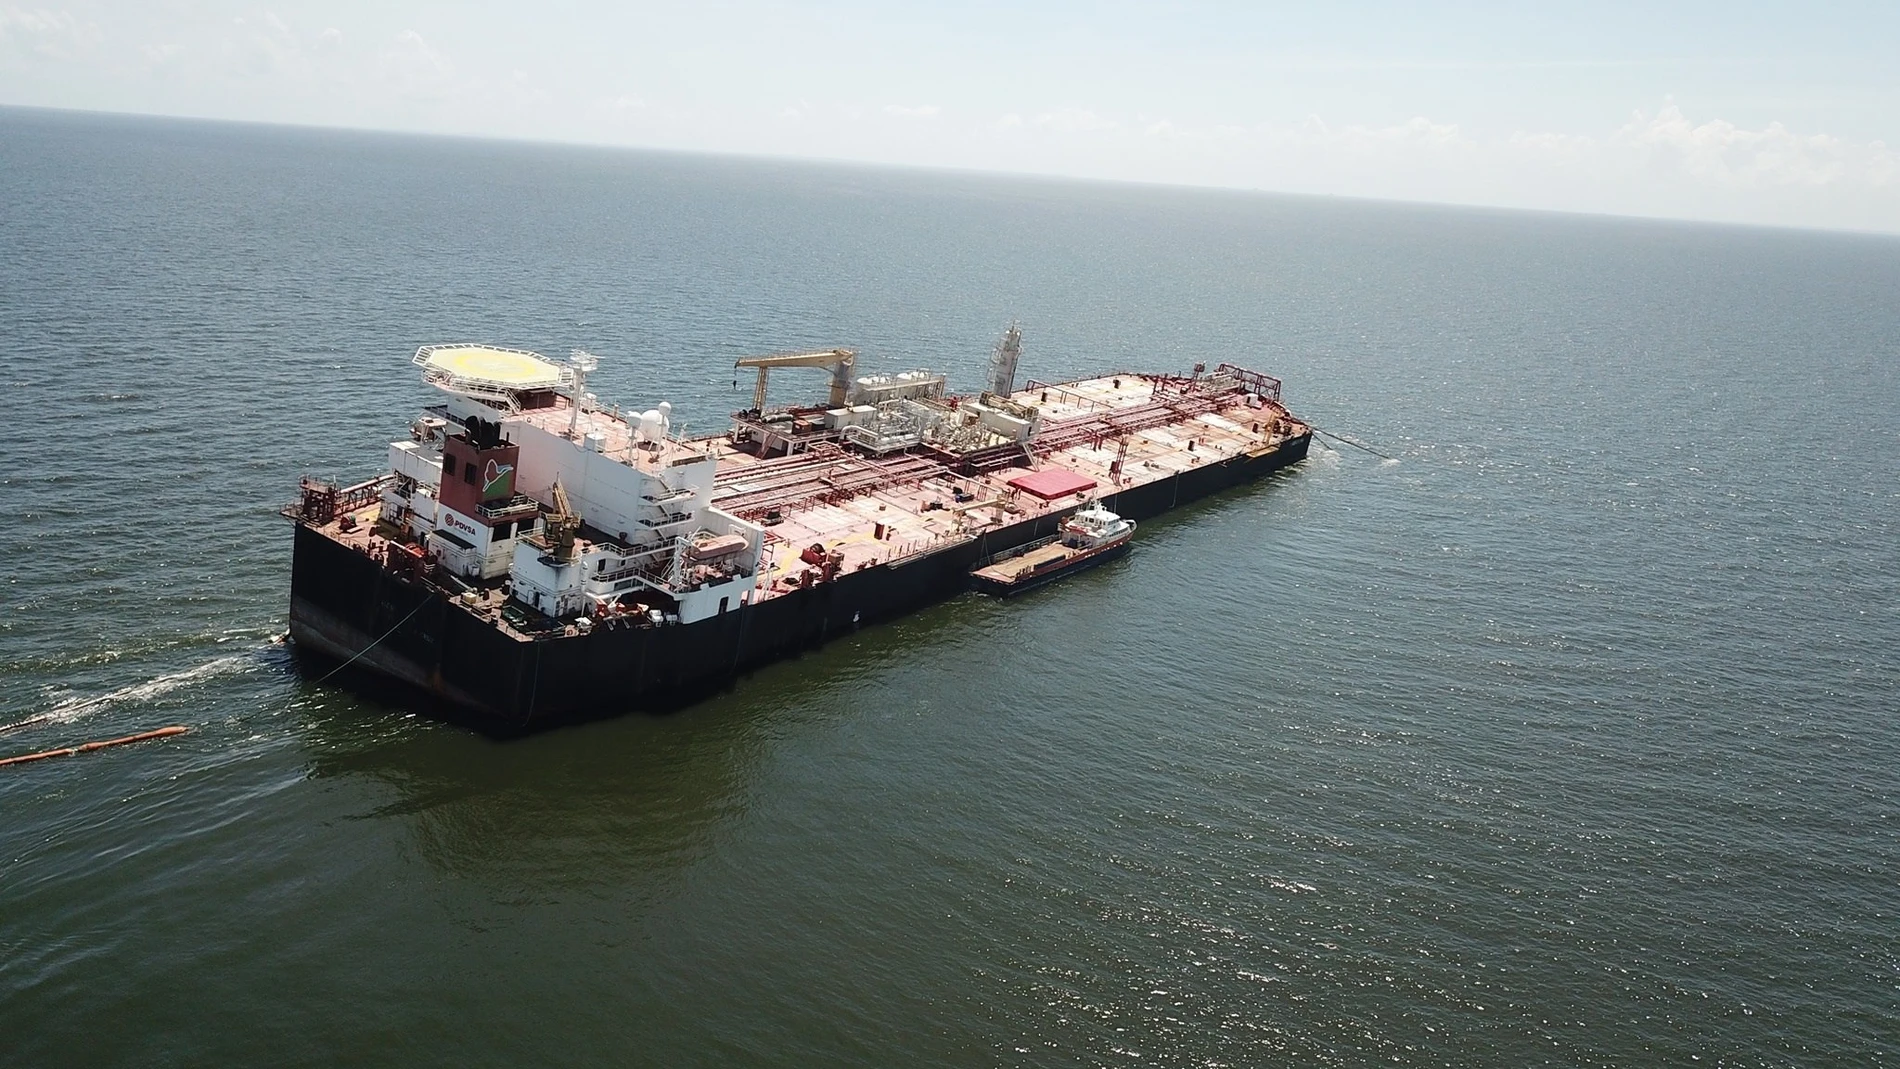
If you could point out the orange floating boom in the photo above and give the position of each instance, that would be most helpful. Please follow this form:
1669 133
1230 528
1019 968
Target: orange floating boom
160 733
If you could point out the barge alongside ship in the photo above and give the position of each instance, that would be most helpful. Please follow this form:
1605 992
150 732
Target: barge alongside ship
1091 538
532 556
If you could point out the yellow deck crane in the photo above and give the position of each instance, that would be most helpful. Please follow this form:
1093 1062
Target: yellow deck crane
839 361
563 523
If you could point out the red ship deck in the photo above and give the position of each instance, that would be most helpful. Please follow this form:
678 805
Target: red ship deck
831 496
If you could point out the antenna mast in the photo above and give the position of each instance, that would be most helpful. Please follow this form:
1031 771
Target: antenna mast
582 362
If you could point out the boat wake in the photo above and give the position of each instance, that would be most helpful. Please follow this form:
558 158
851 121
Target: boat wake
76 708
145 646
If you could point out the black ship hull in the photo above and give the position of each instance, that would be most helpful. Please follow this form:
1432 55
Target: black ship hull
346 608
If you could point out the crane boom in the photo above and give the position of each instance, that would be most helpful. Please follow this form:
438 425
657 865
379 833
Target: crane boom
839 361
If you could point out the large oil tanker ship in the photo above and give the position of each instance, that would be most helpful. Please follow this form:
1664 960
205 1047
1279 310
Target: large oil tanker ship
532 556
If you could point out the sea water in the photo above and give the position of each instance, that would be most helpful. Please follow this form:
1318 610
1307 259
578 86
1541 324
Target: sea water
1568 736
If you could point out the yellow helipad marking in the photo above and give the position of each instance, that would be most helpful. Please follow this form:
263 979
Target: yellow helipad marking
495 365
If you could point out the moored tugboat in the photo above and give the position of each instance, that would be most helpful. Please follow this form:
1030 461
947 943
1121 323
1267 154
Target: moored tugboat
1092 536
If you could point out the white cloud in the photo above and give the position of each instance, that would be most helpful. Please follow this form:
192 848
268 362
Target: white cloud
271 47
1721 153
1663 163
411 50
1553 145
262 49
52 35
160 53
1665 146
415 68
1076 120
1416 132
330 65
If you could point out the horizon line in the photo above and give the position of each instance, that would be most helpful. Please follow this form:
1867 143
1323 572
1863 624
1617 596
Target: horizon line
978 172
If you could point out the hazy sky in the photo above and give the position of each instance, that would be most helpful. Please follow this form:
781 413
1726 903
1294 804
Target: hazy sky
1786 115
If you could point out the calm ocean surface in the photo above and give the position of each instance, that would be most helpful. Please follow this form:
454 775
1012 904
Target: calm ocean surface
1570 738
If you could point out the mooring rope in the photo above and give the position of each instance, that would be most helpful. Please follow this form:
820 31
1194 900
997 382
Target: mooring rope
1350 442
373 645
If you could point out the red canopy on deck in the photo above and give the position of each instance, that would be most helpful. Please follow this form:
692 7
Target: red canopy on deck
1051 483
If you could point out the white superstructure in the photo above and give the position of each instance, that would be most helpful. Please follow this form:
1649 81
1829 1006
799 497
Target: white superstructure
632 527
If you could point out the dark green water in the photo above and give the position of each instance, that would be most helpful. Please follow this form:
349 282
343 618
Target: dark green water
1567 739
